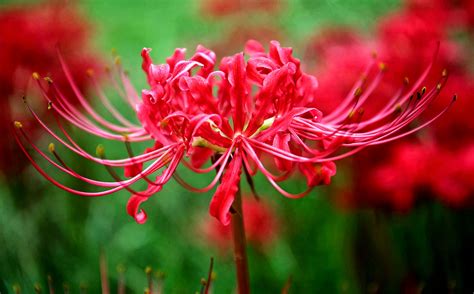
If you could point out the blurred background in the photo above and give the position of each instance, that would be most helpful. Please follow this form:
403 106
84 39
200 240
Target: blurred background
396 219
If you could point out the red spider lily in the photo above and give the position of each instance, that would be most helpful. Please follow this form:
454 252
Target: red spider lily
250 107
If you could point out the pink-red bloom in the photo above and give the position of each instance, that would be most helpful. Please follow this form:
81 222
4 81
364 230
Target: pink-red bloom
415 171
249 106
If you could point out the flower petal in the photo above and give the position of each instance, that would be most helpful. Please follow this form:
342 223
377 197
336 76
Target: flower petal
318 173
133 208
225 193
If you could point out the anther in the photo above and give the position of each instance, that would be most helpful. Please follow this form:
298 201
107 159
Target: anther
37 287
351 114
35 76
398 109
51 147
17 124
48 79
455 97
382 66
117 60
444 73
406 81
164 123
50 105
438 86
99 150
90 72
148 270
423 90
358 92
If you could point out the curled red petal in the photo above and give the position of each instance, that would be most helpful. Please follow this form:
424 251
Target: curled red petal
133 170
146 62
225 193
200 156
177 56
133 208
253 47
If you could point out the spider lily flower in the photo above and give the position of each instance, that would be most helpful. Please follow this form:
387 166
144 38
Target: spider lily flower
249 106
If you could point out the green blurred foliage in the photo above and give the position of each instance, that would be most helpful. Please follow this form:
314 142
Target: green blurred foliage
44 230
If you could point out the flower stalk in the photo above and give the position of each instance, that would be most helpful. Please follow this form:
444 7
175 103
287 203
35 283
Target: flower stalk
240 246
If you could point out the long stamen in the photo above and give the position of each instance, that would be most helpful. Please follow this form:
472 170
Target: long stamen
271 177
105 100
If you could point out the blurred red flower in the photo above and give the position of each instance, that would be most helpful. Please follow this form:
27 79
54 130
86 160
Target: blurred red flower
415 171
29 37
260 221
396 175
217 8
234 38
